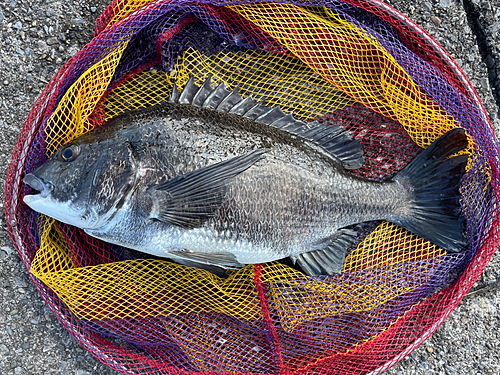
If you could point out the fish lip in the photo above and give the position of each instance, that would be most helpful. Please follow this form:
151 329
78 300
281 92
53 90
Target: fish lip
44 187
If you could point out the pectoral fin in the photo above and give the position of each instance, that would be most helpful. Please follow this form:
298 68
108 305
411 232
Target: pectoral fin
191 199
331 259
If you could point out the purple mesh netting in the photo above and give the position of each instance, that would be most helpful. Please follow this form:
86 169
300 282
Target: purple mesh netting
161 33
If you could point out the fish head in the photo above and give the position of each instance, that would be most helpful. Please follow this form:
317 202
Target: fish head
84 183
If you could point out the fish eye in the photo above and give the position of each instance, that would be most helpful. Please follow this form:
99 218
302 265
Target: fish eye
70 153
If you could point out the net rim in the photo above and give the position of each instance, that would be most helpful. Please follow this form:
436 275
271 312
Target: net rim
438 49
14 176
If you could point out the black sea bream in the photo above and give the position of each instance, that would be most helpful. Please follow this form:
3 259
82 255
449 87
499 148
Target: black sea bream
211 178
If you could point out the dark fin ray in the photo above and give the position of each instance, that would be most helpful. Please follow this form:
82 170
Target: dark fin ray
273 115
225 260
435 180
331 259
217 96
243 106
189 92
230 101
337 141
203 93
218 271
174 95
191 199
257 111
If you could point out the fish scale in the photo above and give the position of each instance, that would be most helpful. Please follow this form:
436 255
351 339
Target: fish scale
212 178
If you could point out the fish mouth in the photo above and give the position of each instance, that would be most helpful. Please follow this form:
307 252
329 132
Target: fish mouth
43 187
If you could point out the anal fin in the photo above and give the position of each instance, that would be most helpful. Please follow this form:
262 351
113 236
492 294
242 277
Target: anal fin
331 259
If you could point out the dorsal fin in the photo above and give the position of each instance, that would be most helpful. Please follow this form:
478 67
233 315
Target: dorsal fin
334 139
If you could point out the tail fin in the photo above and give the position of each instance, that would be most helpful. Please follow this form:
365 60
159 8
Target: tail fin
435 180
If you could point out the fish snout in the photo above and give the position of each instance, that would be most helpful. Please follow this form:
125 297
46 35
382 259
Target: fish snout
39 184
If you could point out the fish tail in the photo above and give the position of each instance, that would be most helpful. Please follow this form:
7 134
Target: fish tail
434 178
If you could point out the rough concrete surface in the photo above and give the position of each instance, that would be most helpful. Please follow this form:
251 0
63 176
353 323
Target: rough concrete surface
484 17
39 36
469 340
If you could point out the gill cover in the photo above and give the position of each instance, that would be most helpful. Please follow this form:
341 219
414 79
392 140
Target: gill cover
84 183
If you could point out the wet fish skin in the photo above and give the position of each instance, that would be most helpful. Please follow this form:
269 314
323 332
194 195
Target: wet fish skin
239 185
292 200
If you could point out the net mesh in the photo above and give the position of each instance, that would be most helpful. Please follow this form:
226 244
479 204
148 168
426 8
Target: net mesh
355 63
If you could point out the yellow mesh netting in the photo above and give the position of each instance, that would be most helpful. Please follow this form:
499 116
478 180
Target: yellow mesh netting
345 56
388 245
70 119
140 288
296 301
144 90
275 79
354 62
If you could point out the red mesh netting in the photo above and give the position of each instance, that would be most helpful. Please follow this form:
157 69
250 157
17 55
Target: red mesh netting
359 64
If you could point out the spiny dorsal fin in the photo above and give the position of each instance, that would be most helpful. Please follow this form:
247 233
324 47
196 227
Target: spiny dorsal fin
217 96
203 93
334 139
189 92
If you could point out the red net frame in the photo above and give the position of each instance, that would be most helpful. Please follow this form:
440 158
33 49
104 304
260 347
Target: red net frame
377 354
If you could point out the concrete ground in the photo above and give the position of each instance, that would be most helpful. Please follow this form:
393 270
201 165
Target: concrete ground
39 36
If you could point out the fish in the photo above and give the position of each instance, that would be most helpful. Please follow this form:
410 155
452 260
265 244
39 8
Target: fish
214 179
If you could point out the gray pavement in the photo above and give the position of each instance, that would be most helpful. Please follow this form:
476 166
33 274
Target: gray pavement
469 340
39 36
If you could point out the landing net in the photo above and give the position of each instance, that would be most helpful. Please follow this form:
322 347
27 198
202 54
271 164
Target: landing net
356 63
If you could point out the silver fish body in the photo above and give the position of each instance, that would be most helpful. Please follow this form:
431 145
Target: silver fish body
291 201
204 186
